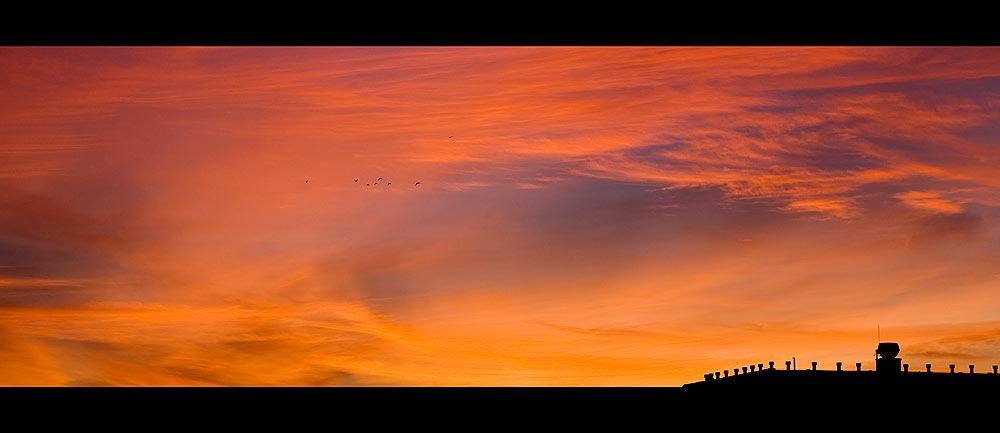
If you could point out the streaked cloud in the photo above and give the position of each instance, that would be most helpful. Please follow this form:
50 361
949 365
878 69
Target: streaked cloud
931 201
586 216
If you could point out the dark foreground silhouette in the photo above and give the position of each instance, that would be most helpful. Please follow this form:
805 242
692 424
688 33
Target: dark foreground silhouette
891 380
778 395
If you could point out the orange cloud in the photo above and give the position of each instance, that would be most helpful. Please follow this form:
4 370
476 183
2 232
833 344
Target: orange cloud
583 216
838 208
927 200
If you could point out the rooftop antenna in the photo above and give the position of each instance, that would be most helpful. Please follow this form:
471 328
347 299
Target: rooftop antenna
878 331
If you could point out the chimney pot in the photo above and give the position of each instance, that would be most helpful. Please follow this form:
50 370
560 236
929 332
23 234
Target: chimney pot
994 369
952 367
839 364
760 367
751 367
725 373
859 366
744 370
771 364
788 365
717 374
814 365
708 376
736 371
906 368
970 368
928 368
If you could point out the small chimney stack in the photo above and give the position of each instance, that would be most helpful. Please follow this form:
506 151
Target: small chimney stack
840 364
994 369
751 367
744 370
717 374
788 365
814 365
708 377
952 367
970 368
725 373
859 366
760 367
906 368
771 364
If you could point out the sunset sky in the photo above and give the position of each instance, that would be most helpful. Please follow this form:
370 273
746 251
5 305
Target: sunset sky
608 216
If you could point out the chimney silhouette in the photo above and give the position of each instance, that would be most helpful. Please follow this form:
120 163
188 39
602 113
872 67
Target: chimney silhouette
872 380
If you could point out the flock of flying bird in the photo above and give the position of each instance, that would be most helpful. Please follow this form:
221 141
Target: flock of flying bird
387 184
377 180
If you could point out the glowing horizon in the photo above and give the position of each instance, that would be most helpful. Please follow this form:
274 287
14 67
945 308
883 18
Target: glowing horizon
609 216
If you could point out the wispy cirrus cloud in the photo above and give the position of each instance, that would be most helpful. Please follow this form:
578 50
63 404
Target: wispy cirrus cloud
585 216
929 201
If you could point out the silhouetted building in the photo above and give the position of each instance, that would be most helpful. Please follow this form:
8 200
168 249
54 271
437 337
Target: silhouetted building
888 380
886 361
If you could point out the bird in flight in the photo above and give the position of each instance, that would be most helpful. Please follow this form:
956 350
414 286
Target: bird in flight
418 183
355 180
449 136
379 178
390 183
368 184
307 181
376 183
